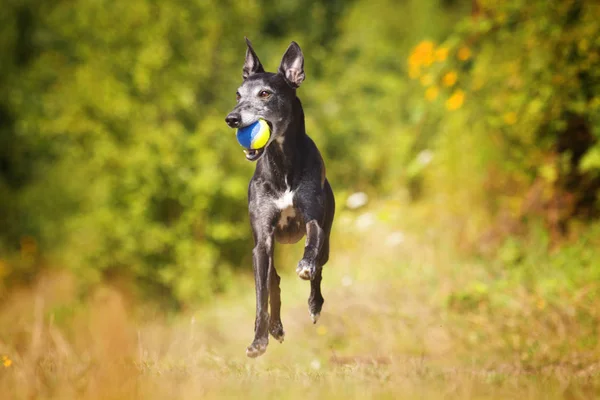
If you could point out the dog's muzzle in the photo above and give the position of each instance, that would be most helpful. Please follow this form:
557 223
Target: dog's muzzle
233 119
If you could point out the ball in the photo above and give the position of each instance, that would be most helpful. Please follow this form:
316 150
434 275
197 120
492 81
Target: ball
254 136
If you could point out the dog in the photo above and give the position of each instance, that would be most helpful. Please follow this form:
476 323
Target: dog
289 195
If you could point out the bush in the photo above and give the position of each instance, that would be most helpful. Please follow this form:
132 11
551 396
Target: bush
117 157
514 95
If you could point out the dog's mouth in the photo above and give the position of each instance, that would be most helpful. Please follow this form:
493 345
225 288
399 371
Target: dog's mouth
254 154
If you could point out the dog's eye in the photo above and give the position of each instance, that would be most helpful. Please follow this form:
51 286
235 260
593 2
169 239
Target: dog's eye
238 97
264 94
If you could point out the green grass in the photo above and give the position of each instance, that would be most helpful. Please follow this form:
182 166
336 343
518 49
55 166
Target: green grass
405 316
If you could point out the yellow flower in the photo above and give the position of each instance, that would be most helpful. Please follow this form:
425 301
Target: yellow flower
441 54
428 59
426 80
422 54
455 101
426 46
321 330
7 362
449 79
510 118
432 93
464 53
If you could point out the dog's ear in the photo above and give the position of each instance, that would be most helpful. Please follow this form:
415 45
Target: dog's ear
292 65
252 64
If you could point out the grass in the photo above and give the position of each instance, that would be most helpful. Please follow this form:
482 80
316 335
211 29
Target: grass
405 316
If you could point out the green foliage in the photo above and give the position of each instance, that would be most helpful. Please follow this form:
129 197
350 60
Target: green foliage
115 140
517 106
363 109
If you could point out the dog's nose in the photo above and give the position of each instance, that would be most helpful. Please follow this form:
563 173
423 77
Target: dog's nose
233 120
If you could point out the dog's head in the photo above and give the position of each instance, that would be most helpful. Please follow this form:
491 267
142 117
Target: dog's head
267 95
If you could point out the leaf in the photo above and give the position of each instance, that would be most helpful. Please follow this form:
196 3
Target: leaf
591 160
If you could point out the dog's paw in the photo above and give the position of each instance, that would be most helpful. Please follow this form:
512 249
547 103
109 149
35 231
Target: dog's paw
276 330
315 304
306 270
257 348
315 317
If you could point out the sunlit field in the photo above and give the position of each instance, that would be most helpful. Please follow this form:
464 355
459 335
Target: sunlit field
403 318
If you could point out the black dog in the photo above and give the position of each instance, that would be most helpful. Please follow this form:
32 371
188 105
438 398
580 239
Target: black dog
289 195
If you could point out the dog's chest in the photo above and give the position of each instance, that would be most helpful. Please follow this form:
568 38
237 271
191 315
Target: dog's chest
289 224
285 204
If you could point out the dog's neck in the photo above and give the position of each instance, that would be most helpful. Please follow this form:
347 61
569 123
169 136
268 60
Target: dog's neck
282 160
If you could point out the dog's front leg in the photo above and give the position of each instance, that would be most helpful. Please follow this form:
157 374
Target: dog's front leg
262 258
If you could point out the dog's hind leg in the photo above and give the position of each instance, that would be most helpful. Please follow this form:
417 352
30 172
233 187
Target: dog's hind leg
275 325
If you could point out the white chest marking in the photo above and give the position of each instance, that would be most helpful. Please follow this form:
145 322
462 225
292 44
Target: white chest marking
286 200
286 205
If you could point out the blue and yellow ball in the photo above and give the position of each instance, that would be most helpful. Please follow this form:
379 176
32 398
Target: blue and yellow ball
254 136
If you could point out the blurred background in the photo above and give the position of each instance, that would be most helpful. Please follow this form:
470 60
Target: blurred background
460 137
